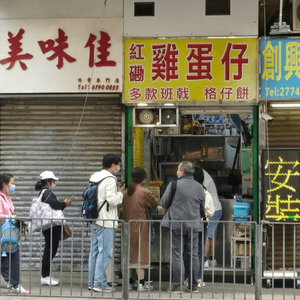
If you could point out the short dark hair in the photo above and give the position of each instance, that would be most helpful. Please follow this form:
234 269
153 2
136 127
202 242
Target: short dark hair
187 167
4 179
110 159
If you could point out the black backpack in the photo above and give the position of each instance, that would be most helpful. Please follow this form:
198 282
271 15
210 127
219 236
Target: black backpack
90 208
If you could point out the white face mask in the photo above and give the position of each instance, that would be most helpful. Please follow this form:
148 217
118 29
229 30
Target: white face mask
118 170
53 185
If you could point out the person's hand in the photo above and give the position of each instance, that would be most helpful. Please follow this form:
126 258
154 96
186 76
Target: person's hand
68 202
121 187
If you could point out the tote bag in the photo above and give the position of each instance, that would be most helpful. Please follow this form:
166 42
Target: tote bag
209 207
40 212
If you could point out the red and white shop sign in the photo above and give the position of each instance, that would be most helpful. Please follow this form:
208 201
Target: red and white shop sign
61 56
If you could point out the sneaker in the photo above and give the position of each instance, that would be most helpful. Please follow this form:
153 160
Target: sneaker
144 288
186 282
148 285
194 289
213 263
104 288
111 284
174 290
19 290
200 283
48 281
89 287
206 264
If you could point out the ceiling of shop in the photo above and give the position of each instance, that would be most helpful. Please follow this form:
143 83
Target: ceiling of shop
269 14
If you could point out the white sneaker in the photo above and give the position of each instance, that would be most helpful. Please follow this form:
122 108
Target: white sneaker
200 283
213 263
186 282
148 285
19 290
206 264
48 281
144 288
104 288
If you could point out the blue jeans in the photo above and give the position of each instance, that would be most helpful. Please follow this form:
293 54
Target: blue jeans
100 254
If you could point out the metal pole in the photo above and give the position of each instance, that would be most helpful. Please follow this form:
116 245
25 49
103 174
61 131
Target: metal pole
125 272
280 14
258 259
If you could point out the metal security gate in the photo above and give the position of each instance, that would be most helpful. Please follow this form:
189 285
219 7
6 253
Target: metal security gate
38 134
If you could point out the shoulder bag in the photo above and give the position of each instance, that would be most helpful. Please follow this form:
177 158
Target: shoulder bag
43 216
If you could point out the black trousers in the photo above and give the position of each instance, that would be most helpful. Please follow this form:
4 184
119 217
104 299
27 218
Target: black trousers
11 264
51 241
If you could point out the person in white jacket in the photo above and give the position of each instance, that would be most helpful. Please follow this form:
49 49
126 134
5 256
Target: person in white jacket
103 230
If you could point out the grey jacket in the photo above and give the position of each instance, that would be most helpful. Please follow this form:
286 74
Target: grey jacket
187 204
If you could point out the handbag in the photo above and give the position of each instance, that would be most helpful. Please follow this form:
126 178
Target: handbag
209 207
67 232
43 216
152 230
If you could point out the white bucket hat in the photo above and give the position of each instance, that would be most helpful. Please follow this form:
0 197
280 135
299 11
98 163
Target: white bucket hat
48 175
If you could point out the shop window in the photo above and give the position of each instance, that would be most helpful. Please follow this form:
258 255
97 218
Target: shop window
217 7
144 9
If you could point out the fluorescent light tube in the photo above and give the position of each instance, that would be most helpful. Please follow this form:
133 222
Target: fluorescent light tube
287 105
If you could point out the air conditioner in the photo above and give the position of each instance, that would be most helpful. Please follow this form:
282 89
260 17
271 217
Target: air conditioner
296 15
155 117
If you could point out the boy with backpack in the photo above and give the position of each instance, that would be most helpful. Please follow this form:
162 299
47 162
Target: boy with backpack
109 196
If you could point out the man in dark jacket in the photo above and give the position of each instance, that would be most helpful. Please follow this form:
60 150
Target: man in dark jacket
186 205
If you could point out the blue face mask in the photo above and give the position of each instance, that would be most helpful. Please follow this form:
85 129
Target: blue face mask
11 189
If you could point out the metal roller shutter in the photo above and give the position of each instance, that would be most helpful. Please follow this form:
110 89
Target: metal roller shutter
37 135
283 131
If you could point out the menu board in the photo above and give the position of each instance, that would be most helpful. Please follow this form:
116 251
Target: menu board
281 185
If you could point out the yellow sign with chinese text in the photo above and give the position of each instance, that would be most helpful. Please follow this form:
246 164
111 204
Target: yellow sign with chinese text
167 70
281 185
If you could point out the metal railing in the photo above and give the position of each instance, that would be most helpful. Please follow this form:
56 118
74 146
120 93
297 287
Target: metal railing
247 256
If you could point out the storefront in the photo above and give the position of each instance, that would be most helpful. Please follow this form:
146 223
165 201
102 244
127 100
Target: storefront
280 155
194 99
60 107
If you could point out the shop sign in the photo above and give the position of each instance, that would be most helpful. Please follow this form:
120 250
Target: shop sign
61 56
281 184
280 68
164 70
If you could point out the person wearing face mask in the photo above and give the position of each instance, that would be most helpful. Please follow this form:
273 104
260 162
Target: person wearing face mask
186 204
103 229
52 235
10 263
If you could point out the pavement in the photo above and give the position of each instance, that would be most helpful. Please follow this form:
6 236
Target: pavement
74 286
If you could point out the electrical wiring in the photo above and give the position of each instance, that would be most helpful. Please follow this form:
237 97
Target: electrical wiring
85 101
83 109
